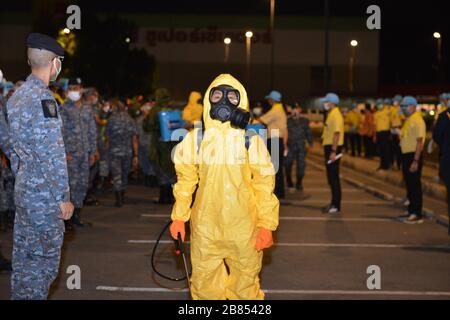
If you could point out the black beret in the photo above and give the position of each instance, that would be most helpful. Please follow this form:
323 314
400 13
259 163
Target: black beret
42 41
75 81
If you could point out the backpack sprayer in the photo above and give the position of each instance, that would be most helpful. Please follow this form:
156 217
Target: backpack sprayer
179 249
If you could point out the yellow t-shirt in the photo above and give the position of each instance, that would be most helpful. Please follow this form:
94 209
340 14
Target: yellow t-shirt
413 129
353 120
396 117
382 120
334 123
276 121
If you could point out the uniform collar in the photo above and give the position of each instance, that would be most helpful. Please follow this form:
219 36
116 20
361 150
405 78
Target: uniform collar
36 81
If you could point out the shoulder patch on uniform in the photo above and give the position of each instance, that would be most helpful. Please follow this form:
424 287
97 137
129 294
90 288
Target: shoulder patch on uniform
49 108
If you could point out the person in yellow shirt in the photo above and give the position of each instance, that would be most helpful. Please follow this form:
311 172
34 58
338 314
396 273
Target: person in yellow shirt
412 139
276 121
332 141
396 124
352 121
383 131
193 111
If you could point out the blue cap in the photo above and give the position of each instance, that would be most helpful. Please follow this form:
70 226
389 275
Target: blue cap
275 96
398 98
330 97
387 101
444 96
379 101
409 101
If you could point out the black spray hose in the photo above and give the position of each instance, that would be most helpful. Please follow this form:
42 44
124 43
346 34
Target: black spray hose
178 250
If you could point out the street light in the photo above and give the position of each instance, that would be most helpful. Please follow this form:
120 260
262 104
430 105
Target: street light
227 42
272 42
248 43
438 38
351 75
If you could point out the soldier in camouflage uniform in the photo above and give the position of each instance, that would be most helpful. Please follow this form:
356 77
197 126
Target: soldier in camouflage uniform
80 139
101 118
41 191
299 133
144 147
5 150
123 144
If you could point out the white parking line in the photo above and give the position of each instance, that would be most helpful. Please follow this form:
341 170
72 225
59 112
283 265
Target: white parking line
302 292
149 215
329 245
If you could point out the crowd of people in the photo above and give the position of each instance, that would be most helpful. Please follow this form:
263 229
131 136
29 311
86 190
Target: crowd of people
61 155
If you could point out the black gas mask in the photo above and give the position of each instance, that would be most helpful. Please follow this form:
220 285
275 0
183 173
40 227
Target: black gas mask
224 102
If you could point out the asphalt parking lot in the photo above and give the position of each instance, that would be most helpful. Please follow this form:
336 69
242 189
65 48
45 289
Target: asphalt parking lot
315 256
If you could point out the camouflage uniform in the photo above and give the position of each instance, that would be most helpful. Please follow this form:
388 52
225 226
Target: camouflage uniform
144 148
7 207
298 133
80 139
42 184
120 130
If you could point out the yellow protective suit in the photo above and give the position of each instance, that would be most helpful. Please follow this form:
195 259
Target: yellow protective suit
234 199
193 110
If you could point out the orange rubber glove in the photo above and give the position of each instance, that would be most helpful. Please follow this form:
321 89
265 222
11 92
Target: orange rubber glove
264 239
175 227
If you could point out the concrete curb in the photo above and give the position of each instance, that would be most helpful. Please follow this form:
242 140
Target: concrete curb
428 213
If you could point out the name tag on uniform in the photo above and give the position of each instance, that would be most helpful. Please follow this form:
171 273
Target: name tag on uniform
49 108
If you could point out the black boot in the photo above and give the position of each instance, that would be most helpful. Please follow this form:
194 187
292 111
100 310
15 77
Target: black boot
76 218
11 218
153 181
123 196
162 195
119 201
3 221
68 225
299 185
170 197
5 265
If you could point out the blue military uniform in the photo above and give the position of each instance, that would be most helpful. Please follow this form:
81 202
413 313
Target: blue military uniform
299 133
80 139
120 130
42 184
441 135
144 148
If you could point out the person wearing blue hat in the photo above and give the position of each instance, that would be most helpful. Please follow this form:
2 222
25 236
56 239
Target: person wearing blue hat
383 131
332 141
412 139
41 189
396 124
276 121
441 136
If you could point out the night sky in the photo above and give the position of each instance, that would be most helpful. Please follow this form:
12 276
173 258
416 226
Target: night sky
407 49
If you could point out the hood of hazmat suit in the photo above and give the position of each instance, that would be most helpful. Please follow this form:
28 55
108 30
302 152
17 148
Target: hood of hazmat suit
193 110
234 199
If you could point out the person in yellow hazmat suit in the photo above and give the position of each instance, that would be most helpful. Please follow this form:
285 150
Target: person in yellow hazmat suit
235 210
193 111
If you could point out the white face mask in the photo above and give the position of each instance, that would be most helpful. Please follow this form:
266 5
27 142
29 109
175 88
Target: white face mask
326 106
56 69
74 95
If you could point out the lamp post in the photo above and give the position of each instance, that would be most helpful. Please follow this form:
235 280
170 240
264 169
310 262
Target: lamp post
438 38
227 42
248 44
272 42
353 45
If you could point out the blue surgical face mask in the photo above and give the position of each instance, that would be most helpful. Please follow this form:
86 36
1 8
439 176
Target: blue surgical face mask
405 111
